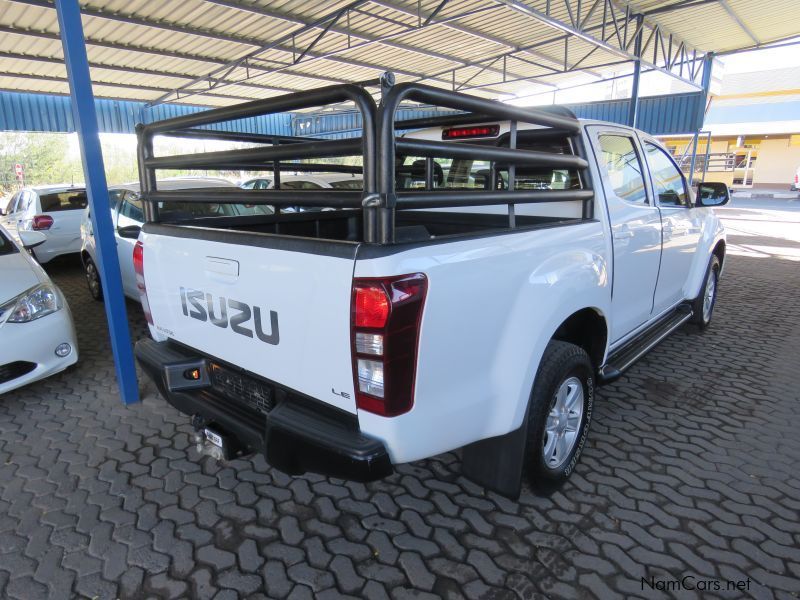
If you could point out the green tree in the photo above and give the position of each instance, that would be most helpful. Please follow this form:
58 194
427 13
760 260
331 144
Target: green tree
46 158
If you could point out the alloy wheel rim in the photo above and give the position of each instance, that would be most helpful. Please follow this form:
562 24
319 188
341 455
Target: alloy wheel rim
563 422
91 276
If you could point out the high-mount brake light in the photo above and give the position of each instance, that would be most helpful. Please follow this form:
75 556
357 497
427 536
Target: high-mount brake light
385 326
138 267
476 131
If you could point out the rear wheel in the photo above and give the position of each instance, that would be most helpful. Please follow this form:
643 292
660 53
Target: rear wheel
560 411
703 305
93 280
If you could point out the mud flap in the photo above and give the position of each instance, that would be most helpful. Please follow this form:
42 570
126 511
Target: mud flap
496 463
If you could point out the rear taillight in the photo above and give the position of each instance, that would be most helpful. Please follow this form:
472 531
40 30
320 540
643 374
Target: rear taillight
42 222
797 177
138 267
385 325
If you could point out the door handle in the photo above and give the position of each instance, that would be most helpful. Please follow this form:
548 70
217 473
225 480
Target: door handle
623 235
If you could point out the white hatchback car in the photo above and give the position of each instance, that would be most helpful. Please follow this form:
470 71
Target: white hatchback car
54 210
127 216
37 335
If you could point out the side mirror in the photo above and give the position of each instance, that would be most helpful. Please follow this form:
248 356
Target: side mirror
130 232
31 239
712 193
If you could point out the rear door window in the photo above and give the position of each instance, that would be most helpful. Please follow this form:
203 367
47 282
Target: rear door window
67 200
11 206
620 161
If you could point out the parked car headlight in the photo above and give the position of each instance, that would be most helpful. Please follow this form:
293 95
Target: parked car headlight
32 304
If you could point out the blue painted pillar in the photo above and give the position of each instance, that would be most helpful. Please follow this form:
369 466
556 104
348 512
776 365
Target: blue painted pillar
83 111
633 107
708 65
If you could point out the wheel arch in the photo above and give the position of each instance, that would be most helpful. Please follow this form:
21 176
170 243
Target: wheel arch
586 328
719 252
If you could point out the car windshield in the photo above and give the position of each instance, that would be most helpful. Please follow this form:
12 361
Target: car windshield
6 247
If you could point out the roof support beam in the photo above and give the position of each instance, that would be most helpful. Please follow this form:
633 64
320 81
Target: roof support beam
177 28
113 84
567 28
191 88
677 6
137 70
739 22
334 27
476 33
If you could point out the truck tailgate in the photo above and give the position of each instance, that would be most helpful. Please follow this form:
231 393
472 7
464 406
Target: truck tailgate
276 307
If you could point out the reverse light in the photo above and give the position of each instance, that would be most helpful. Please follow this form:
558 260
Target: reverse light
369 343
42 222
32 304
138 267
385 323
477 131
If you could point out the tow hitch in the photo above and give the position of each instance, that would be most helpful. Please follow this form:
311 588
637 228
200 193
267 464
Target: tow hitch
211 441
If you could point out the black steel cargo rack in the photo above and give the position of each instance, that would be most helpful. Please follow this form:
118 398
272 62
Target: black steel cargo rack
378 147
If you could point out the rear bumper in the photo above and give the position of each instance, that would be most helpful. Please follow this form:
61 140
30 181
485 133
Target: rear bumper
296 434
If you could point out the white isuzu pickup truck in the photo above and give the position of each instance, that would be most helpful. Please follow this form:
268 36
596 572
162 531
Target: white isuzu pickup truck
498 264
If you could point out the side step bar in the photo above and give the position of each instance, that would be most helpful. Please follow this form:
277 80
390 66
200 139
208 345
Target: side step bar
623 358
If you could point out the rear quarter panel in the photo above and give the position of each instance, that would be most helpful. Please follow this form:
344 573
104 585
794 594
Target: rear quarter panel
493 304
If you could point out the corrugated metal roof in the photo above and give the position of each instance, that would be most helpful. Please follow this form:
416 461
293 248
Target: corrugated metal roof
142 50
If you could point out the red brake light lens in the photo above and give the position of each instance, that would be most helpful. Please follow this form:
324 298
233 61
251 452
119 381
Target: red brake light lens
42 222
386 320
371 305
138 268
476 131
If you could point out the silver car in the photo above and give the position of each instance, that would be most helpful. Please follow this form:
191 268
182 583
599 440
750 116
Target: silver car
127 217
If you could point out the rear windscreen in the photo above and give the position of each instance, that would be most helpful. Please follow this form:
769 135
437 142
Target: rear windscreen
74 200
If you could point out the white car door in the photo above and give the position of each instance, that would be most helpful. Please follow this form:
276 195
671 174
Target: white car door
635 227
681 226
131 213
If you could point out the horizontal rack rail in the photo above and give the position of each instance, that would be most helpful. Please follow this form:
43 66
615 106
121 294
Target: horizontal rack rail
450 198
492 153
379 148
322 198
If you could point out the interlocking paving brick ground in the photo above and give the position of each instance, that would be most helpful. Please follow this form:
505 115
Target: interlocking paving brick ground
691 469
